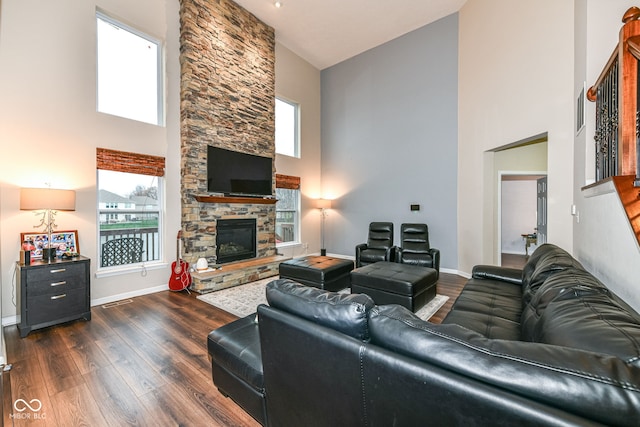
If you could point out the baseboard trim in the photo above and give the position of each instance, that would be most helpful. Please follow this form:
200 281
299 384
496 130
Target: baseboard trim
132 294
13 320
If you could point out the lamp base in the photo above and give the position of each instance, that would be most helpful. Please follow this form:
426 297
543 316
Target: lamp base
323 252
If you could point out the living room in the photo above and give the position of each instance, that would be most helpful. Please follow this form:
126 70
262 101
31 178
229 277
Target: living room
418 129
463 223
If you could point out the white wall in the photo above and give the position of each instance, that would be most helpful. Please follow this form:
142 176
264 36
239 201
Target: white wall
299 81
518 214
49 127
515 81
604 241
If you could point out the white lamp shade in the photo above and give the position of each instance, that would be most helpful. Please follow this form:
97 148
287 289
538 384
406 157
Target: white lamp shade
33 199
323 204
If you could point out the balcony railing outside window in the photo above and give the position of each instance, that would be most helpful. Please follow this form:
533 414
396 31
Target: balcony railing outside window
139 224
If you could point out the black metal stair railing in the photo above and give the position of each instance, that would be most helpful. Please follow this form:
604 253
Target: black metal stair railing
606 133
617 97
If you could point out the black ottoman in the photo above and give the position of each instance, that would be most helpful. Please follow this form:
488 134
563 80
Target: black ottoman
411 286
324 272
236 365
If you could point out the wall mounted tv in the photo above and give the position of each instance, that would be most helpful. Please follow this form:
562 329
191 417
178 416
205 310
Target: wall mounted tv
234 173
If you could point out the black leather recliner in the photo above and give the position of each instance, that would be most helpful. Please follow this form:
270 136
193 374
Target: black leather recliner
379 246
415 248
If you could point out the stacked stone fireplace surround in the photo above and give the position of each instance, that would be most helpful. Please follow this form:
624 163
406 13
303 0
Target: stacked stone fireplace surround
227 99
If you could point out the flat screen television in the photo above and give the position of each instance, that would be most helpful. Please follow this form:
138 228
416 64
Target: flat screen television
234 173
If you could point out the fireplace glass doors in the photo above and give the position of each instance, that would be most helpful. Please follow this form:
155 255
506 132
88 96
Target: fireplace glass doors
235 240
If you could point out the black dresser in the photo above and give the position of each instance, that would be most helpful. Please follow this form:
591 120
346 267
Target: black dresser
49 293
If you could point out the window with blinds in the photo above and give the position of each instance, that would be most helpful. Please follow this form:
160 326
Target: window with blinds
287 210
130 208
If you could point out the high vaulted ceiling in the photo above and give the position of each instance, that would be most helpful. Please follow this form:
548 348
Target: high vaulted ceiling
325 32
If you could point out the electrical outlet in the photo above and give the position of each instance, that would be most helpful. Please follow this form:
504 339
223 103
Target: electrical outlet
305 246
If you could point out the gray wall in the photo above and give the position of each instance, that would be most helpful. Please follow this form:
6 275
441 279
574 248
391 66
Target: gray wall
389 139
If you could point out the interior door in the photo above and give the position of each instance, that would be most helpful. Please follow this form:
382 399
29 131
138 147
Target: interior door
542 210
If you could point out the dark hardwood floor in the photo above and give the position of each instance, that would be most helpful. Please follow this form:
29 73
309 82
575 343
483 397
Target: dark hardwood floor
514 260
141 362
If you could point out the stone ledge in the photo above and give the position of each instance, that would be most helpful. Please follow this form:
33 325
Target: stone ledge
237 273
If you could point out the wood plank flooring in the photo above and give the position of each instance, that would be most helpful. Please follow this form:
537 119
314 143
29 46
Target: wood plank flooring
514 260
138 363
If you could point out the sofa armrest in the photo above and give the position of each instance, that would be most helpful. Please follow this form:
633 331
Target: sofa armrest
391 253
435 254
505 274
359 248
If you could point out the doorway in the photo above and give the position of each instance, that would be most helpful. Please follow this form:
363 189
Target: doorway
522 210
519 211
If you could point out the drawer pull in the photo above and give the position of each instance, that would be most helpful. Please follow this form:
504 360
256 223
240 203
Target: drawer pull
58 296
59 270
64 282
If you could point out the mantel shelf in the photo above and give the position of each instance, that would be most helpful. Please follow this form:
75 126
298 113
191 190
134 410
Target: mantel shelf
228 199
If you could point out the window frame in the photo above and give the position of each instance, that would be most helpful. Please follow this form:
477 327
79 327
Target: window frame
139 164
160 114
287 182
296 130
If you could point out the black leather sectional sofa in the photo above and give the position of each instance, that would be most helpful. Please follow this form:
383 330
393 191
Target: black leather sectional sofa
546 345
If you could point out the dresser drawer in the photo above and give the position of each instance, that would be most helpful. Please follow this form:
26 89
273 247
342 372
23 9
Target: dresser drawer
47 308
55 279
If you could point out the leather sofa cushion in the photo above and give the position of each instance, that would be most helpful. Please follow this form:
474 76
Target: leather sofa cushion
574 309
373 255
593 385
423 259
490 307
541 252
560 284
551 261
380 235
345 313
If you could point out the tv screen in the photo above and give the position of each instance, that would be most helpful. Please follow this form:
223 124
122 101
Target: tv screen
231 172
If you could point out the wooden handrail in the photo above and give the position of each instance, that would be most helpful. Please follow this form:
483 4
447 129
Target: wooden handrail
620 126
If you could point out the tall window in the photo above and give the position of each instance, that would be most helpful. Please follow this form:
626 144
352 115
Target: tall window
287 128
129 77
129 208
287 210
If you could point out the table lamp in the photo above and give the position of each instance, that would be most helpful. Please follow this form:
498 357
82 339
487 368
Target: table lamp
49 201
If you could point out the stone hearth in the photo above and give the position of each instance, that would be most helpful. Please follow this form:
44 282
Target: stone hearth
236 273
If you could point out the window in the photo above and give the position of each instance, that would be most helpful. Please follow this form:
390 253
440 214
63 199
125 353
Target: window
287 129
129 72
129 208
287 209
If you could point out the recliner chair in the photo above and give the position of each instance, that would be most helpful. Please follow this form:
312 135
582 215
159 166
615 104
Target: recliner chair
415 248
379 246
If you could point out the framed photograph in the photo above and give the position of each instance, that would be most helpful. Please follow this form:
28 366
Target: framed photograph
62 241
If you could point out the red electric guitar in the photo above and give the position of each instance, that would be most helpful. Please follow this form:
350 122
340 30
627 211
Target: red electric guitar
180 277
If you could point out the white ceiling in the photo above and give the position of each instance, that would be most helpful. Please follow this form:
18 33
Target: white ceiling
325 32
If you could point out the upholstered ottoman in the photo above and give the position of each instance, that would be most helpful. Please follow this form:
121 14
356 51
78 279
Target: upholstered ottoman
324 272
411 286
236 364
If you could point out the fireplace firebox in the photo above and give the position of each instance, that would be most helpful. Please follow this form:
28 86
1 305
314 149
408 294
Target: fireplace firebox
235 239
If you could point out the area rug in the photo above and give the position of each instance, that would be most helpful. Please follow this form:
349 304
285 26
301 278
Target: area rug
243 300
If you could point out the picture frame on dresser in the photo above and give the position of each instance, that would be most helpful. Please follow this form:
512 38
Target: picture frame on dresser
64 241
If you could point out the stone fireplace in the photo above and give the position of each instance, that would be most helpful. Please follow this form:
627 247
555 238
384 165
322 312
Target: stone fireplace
235 240
227 100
